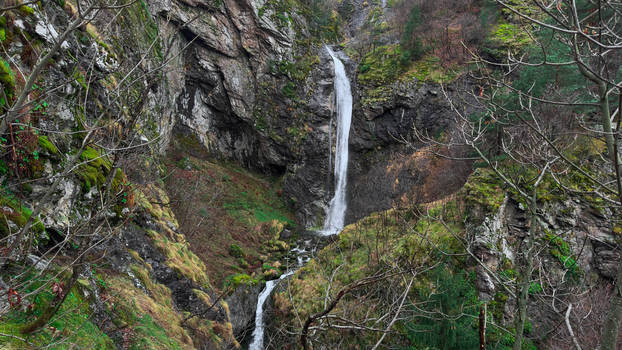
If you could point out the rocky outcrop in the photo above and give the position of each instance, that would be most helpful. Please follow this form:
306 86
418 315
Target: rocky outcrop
242 306
576 243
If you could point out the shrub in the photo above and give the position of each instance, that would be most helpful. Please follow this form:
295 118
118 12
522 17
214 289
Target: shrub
235 251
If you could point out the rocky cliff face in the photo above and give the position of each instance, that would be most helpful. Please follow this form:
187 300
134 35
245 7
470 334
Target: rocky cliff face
253 93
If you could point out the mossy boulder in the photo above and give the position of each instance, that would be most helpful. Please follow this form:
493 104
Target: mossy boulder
94 170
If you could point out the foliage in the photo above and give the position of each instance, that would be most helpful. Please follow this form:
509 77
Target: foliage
289 90
236 251
323 22
234 281
561 250
483 189
94 169
380 66
410 43
47 145
13 212
451 308
72 325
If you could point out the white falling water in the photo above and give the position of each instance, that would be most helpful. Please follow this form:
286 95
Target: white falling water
336 213
257 343
343 96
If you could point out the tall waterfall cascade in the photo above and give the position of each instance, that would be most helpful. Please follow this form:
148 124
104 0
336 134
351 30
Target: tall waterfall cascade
334 221
336 213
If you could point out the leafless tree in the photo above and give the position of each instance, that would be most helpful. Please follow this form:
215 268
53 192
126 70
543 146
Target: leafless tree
109 97
535 127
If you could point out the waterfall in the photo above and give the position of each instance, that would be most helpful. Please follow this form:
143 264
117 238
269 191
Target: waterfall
343 96
336 213
257 343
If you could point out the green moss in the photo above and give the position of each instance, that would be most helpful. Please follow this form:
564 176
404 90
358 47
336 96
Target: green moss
150 335
7 77
238 279
511 36
429 68
12 211
72 322
483 189
561 250
2 35
94 171
47 145
498 306
80 79
26 10
180 258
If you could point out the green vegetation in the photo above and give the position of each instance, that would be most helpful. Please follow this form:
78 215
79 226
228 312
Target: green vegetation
385 65
234 281
299 69
233 216
323 23
484 189
411 44
511 36
47 145
72 323
381 66
7 78
236 251
179 257
430 68
251 205
26 10
93 172
15 213
561 250
448 294
279 12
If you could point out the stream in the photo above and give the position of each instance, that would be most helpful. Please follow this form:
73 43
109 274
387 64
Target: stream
334 222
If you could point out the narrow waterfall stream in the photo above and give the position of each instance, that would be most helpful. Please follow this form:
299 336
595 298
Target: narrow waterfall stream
257 343
343 96
334 222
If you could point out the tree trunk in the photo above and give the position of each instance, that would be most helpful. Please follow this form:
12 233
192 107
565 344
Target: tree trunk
522 294
611 328
482 327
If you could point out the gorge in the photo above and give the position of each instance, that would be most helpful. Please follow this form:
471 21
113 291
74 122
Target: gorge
284 174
